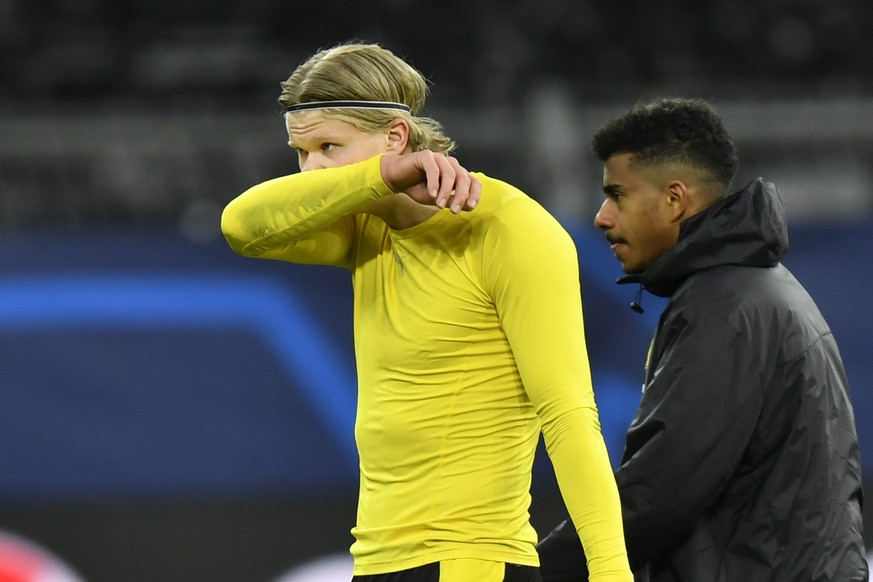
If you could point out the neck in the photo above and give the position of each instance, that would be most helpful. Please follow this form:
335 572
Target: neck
399 211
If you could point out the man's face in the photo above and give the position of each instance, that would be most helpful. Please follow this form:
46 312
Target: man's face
637 216
324 142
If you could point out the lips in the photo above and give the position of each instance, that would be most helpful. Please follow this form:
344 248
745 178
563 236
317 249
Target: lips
614 243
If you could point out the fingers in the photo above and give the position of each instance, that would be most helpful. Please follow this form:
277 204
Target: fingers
436 170
466 189
431 178
445 180
455 187
475 192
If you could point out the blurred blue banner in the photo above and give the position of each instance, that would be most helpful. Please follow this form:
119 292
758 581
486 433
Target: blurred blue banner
138 363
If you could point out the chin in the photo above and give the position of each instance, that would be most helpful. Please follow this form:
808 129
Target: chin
632 269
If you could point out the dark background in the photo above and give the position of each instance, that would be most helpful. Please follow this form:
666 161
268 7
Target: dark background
170 411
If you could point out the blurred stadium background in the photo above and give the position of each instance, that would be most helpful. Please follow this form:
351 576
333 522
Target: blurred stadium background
169 411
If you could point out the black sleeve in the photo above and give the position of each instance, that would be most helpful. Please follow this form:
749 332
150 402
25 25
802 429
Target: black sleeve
561 556
698 412
699 409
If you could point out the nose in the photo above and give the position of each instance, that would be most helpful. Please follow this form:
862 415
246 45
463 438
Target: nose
604 218
310 161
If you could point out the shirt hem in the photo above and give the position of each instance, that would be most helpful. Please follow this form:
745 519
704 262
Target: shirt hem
370 569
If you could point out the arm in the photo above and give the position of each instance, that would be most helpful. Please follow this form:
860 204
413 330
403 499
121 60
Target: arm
695 420
307 217
561 556
304 217
535 275
700 406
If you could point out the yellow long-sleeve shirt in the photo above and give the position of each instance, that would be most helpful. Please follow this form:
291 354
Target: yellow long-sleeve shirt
469 341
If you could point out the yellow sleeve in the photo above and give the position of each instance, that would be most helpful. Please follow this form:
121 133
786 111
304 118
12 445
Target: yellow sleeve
534 276
305 217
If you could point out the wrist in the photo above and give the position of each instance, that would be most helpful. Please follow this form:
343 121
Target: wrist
384 164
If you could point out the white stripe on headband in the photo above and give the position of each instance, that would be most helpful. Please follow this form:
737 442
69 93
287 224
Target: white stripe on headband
348 105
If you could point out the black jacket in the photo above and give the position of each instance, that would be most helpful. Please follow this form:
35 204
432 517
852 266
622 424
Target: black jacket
742 461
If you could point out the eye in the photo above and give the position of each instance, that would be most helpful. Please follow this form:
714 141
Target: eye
612 193
327 146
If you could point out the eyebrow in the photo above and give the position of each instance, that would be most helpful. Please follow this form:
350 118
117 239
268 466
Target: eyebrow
314 139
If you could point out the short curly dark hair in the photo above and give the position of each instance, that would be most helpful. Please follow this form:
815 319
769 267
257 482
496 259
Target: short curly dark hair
671 130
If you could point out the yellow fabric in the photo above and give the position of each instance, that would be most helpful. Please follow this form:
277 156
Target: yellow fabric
469 341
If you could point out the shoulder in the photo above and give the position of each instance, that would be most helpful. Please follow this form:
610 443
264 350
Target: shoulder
747 299
500 196
506 210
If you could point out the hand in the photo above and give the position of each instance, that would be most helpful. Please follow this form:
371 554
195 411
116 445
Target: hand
431 178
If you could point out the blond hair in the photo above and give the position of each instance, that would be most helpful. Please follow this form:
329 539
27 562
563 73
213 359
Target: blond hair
367 72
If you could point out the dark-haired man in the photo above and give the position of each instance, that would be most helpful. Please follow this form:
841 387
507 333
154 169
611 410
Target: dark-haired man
742 461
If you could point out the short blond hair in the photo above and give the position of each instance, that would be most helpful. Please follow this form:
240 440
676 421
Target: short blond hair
367 72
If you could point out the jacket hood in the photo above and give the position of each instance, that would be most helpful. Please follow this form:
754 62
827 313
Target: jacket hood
746 228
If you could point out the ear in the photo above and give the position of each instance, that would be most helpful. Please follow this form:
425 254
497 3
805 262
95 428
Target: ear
397 134
678 200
